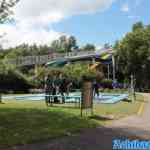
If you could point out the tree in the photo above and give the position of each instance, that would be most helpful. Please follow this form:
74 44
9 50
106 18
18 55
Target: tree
89 47
5 9
12 79
5 12
137 26
72 43
64 44
107 46
133 53
55 45
25 50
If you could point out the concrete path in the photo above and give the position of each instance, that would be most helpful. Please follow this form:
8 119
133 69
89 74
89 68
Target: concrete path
133 127
91 139
139 125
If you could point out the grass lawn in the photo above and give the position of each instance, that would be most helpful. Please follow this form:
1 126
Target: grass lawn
26 122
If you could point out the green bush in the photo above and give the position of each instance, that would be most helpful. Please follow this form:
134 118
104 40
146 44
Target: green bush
12 80
107 83
79 70
75 72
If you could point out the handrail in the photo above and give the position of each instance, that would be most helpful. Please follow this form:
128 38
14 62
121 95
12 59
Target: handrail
39 60
43 59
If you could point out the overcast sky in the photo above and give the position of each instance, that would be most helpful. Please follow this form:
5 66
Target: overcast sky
91 21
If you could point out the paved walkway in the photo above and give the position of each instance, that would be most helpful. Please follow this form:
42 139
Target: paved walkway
137 124
133 127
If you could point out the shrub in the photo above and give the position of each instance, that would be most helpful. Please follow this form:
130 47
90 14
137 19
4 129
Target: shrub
77 71
12 80
107 83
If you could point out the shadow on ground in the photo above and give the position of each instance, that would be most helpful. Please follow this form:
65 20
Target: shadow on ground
102 118
90 139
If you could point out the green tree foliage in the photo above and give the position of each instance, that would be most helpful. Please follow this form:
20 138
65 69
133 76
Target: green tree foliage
64 44
138 26
5 9
12 80
88 47
72 43
37 76
74 72
26 50
107 46
55 45
78 70
133 55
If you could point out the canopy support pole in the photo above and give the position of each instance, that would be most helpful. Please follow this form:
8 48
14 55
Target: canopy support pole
114 71
108 69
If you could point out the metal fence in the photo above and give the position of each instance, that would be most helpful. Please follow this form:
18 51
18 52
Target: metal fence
39 60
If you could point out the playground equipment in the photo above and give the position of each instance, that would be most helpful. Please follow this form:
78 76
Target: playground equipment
104 57
94 66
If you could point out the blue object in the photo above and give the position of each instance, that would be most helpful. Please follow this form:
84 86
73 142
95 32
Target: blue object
105 98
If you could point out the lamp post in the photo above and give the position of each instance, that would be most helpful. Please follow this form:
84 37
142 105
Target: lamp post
108 70
114 68
132 88
93 60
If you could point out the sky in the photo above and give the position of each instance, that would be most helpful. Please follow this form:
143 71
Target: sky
90 21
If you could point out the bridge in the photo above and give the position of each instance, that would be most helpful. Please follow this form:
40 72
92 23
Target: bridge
102 57
105 56
44 59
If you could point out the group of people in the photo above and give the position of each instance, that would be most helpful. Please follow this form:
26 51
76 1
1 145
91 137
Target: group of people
95 88
56 85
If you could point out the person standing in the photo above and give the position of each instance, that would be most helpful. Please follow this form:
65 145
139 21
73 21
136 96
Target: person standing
96 88
56 89
68 86
62 87
48 89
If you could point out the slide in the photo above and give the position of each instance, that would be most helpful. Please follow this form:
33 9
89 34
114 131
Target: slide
94 66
